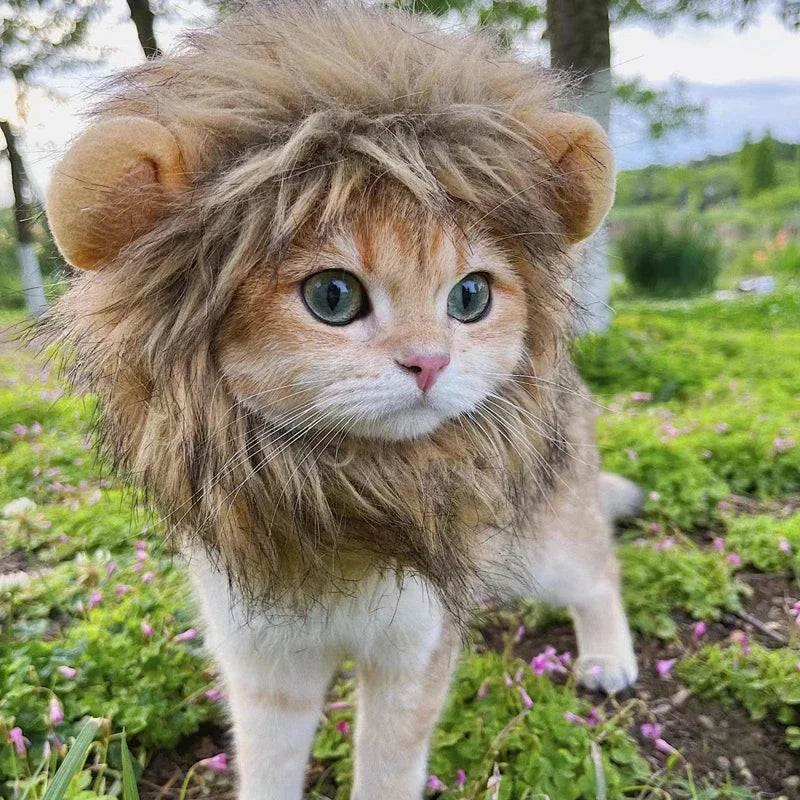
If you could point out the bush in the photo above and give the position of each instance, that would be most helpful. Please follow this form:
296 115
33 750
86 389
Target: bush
657 261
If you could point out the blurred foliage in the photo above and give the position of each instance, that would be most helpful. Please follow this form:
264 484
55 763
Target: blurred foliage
757 162
662 262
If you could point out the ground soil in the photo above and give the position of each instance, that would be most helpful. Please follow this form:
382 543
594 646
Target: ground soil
722 744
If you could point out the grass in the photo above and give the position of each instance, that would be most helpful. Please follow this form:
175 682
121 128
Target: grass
701 409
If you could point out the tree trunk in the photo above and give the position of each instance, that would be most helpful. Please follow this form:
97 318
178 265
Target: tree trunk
579 43
142 17
31 275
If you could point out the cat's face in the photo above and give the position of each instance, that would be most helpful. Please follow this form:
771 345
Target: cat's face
386 331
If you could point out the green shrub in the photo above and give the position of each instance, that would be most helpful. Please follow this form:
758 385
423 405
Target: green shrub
781 198
765 682
665 263
535 752
680 576
768 544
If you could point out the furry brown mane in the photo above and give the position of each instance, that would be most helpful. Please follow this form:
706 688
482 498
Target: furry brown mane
294 120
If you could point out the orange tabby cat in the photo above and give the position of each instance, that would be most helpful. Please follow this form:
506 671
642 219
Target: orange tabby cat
327 256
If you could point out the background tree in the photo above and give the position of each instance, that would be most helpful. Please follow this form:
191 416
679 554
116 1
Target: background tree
36 37
143 18
759 166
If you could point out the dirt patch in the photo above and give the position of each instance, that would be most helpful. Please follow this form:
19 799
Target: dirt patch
14 562
720 743
779 507
164 776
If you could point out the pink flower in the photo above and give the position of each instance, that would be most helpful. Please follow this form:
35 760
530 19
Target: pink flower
655 527
526 700
782 445
147 577
217 763
483 690
343 726
593 718
186 636
147 629
650 730
664 666
55 711
669 430
111 568
665 747
641 397
565 658
19 429
36 429
507 680
435 785
141 545
95 600
18 740
796 609
539 664
574 718
740 637
122 589
338 705
461 778
67 672
699 630
141 555
784 546
519 635
734 559
666 544
214 695
718 543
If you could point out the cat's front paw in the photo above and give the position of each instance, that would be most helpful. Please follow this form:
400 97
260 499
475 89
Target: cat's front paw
609 674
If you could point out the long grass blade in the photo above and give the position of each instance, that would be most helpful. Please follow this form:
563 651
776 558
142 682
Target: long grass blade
72 764
129 790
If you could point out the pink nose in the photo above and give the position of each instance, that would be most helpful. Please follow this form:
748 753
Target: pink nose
425 369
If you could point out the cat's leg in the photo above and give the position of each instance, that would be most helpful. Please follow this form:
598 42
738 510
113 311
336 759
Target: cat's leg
402 687
276 677
276 700
573 564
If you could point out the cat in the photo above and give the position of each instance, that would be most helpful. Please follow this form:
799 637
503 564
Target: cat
326 261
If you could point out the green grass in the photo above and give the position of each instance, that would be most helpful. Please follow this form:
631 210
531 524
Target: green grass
722 411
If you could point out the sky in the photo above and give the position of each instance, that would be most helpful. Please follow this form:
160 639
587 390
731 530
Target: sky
748 82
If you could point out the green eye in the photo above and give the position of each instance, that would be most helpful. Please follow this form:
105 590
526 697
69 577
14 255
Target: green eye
334 296
469 299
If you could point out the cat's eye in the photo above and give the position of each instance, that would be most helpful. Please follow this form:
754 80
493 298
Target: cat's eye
469 299
334 296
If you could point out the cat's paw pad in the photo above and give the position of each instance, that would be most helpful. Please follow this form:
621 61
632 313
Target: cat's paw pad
609 674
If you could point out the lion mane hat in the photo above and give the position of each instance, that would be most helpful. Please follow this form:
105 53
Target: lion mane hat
286 121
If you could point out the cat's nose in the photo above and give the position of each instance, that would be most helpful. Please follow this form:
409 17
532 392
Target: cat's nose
425 369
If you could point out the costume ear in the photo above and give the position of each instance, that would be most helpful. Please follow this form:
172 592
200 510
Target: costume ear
584 161
111 187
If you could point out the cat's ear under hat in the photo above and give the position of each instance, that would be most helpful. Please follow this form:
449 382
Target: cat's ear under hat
583 161
112 186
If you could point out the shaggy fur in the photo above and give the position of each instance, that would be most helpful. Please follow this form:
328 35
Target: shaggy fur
295 121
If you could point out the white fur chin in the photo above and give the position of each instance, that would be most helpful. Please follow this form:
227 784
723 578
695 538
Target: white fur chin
402 425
